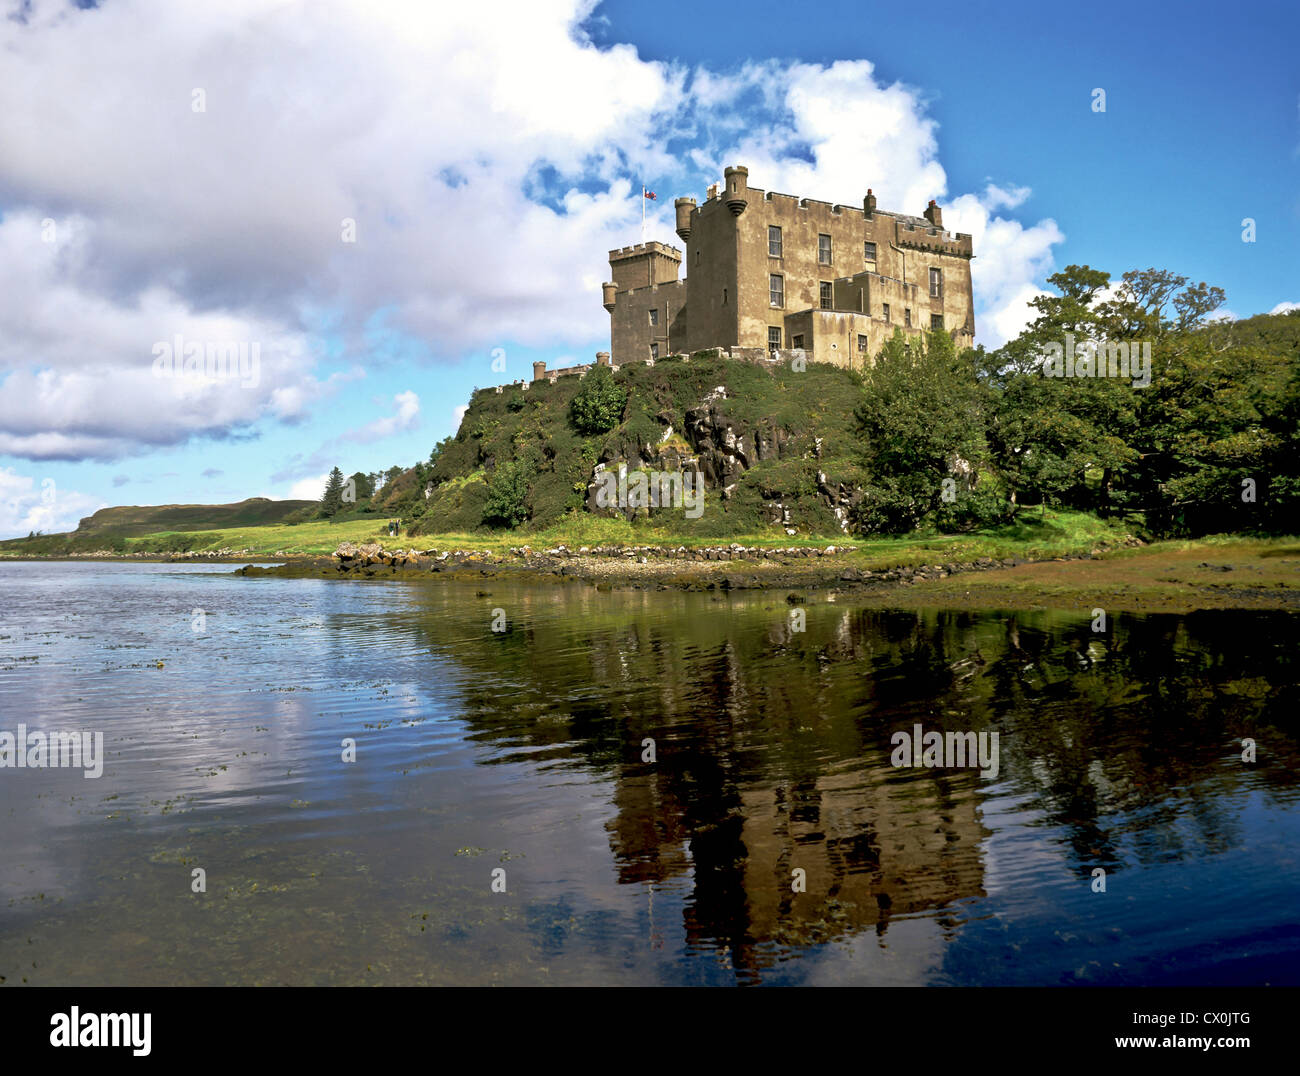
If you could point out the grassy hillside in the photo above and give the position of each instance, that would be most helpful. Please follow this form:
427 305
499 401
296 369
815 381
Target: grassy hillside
109 528
788 427
132 520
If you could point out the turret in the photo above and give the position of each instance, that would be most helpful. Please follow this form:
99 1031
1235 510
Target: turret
869 204
934 214
539 371
684 207
736 180
608 291
602 358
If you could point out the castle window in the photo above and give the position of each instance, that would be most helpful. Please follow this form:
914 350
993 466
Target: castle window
697 257
776 289
773 338
826 294
862 341
907 317
724 296
936 283
823 250
773 241
796 342
654 316
869 251
654 351
936 321
885 308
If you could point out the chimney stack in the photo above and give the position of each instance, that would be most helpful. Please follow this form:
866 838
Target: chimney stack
934 214
869 204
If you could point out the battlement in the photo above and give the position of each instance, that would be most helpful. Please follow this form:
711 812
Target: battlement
638 250
755 258
641 265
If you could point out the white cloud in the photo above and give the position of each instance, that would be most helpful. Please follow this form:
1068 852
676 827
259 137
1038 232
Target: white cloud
27 504
406 417
488 165
1282 308
308 489
458 416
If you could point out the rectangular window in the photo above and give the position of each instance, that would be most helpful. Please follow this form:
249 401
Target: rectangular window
907 317
869 251
936 321
862 342
654 316
823 250
885 308
776 289
826 294
773 338
773 241
796 342
654 351
936 283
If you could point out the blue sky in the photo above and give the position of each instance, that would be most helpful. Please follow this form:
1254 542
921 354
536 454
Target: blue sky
192 173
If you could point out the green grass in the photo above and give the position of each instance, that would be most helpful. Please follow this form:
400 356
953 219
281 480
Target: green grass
1035 535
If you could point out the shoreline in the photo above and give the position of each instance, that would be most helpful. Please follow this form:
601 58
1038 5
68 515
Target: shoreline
1245 576
1242 573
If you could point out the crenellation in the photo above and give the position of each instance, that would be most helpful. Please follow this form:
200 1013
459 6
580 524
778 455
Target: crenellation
775 267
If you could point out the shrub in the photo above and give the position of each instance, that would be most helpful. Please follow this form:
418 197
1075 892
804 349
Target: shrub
597 407
507 503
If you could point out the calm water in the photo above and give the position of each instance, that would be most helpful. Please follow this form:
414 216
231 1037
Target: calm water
522 751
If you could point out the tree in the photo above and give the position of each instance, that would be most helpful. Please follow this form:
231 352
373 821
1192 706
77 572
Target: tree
507 502
1049 437
598 405
919 420
332 499
363 486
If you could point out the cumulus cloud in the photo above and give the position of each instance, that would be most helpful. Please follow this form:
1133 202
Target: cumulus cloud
1282 308
308 489
405 417
27 505
251 172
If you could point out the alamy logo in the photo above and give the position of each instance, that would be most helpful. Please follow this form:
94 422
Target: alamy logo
76 1028
213 360
1099 358
652 489
946 750
23 750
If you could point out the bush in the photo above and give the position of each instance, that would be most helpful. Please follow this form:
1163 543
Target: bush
507 503
598 405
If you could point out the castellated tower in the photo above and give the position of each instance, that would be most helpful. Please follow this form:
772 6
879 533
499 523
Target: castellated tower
774 272
646 302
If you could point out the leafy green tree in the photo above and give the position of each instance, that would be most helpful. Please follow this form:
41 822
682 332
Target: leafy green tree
1062 440
363 485
507 502
597 407
919 421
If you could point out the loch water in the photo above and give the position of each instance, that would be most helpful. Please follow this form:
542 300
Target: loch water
670 787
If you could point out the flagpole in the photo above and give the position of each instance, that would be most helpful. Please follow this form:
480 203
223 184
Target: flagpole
643 214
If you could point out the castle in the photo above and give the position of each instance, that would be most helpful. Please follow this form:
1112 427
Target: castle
770 273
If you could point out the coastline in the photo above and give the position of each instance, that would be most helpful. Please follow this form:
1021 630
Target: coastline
1179 579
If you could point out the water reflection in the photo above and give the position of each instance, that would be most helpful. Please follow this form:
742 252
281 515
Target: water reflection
772 748
529 748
